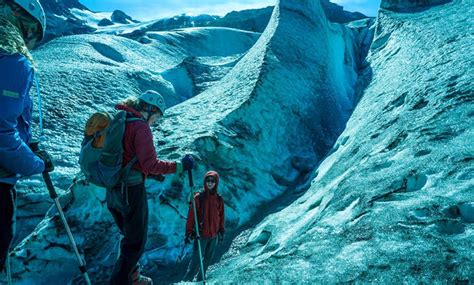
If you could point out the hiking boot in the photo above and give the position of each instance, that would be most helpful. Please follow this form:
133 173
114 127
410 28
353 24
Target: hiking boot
138 279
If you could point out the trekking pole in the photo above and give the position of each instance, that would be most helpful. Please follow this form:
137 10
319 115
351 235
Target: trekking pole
198 237
54 196
9 271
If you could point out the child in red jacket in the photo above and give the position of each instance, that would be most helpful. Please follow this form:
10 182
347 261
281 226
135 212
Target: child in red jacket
210 213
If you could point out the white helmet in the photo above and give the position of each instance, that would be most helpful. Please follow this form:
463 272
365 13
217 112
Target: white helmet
153 98
34 8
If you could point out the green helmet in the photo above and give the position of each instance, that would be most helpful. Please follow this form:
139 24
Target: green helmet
155 99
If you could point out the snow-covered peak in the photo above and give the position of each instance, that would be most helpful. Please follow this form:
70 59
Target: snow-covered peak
121 18
90 18
61 6
61 22
81 20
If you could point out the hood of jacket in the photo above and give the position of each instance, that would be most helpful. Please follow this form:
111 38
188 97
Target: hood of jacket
11 40
216 176
129 110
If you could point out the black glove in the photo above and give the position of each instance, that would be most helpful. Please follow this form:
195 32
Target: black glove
220 237
46 158
188 239
188 162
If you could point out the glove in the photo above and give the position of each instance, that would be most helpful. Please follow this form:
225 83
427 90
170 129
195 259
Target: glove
188 162
46 158
220 237
188 239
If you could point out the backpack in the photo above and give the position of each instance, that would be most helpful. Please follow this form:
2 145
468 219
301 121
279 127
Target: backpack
101 152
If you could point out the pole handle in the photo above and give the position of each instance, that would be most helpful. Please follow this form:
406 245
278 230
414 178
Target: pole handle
190 177
34 146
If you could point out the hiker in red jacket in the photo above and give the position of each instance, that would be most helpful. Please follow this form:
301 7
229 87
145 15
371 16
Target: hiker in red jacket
128 205
210 213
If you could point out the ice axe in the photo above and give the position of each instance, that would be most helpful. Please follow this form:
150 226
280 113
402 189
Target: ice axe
52 193
198 237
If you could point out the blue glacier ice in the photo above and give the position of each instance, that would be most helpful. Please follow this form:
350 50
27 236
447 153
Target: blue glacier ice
344 149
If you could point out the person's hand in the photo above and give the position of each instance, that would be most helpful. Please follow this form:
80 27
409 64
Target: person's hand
188 239
220 237
46 158
188 162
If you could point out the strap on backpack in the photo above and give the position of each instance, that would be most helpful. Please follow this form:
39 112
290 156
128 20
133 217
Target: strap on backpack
128 167
132 118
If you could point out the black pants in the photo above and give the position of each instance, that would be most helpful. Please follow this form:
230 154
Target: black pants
7 220
208 247
130 212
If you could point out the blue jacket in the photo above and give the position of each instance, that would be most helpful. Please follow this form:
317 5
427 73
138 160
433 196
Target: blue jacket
16 78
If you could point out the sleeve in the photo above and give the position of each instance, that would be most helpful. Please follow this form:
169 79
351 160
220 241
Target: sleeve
146 154
190 227
16 156
222 217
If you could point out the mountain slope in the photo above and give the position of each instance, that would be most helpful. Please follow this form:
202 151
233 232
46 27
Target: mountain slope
70 17
60 21
254 20
393 202
196 74
228 124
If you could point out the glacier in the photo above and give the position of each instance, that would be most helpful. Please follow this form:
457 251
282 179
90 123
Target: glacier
344 148
393 202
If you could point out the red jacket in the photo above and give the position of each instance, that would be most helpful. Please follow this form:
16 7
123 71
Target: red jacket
138 141
210 205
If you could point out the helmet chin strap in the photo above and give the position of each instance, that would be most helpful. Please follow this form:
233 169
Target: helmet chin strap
149 112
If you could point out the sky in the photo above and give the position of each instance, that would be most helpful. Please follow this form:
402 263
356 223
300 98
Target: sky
156 9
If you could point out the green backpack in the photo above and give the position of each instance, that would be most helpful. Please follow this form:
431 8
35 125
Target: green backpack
102 149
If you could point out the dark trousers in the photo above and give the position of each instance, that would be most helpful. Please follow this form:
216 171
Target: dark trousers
208 247
7 220
130 212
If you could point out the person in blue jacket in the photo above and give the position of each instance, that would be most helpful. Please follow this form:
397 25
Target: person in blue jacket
22 24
